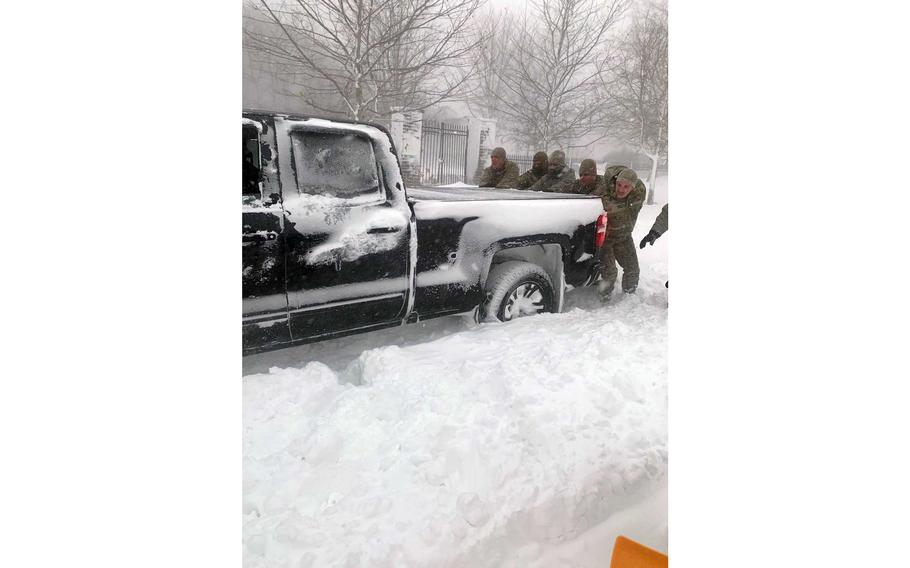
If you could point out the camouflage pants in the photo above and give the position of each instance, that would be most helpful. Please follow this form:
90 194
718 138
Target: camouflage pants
623 251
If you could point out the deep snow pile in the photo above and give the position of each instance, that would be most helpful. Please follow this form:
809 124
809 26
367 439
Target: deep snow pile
454 444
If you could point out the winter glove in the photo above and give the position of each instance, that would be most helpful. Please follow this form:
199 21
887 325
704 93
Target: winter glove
649 239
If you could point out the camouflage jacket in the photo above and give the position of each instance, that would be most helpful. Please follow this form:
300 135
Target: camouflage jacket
621 213
661 224
555 183
527 179
507 177
576 187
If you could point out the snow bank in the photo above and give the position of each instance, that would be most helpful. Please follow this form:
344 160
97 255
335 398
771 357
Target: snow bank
531 443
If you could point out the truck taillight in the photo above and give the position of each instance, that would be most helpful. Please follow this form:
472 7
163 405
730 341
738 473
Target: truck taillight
601 230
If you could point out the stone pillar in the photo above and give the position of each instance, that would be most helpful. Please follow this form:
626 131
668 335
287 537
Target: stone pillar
481 141
406 129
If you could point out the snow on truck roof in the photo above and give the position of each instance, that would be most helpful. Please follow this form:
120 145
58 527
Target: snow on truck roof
315 120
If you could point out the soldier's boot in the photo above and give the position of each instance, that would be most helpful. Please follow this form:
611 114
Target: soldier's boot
608 271
629 281
605 290
608 280
627 257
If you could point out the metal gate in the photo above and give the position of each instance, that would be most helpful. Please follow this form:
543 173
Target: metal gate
523 161
443 153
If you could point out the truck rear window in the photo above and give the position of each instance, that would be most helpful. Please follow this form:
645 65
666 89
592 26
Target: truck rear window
335 164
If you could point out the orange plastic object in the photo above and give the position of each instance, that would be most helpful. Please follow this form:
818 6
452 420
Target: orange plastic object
629 554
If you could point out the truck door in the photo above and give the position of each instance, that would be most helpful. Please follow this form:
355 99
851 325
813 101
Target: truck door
265 307
347 232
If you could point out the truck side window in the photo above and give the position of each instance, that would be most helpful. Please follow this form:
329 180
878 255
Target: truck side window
252 163
335 164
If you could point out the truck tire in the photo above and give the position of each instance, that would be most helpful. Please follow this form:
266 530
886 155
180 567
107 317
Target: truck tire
515 289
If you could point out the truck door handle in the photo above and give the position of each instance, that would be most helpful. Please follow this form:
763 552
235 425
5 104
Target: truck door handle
375 230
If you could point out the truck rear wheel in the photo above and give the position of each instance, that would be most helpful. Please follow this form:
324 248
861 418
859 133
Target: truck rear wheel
515 289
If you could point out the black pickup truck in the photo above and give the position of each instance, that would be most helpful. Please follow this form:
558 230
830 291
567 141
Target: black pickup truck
333 242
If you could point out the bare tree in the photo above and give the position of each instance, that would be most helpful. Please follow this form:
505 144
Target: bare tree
360 58
493 56
549 91
637 88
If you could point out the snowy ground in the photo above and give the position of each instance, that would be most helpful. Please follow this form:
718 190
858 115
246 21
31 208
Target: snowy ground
447 443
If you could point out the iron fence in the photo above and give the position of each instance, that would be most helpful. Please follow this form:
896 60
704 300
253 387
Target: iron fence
443 153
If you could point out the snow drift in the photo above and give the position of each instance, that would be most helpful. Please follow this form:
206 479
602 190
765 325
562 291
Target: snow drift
528 443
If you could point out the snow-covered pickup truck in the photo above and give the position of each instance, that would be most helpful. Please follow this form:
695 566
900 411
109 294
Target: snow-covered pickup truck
333 242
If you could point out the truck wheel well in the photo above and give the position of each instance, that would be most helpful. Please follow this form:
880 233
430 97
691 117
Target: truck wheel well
547 256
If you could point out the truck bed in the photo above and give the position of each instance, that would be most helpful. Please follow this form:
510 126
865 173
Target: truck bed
472 193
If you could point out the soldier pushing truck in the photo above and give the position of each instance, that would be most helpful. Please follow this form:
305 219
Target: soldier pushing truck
622 194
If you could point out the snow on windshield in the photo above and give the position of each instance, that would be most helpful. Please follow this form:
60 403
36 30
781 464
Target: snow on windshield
335 164
381 143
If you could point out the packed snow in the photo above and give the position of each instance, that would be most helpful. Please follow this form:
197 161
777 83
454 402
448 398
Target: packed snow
450 443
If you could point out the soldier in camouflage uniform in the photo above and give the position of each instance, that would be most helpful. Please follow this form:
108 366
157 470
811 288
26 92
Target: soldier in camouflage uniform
588 180
501 173
623 195
558 176
660 226
537 171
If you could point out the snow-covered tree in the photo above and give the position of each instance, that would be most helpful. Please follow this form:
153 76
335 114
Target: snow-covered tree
637 87
360 58
492 59
549 90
